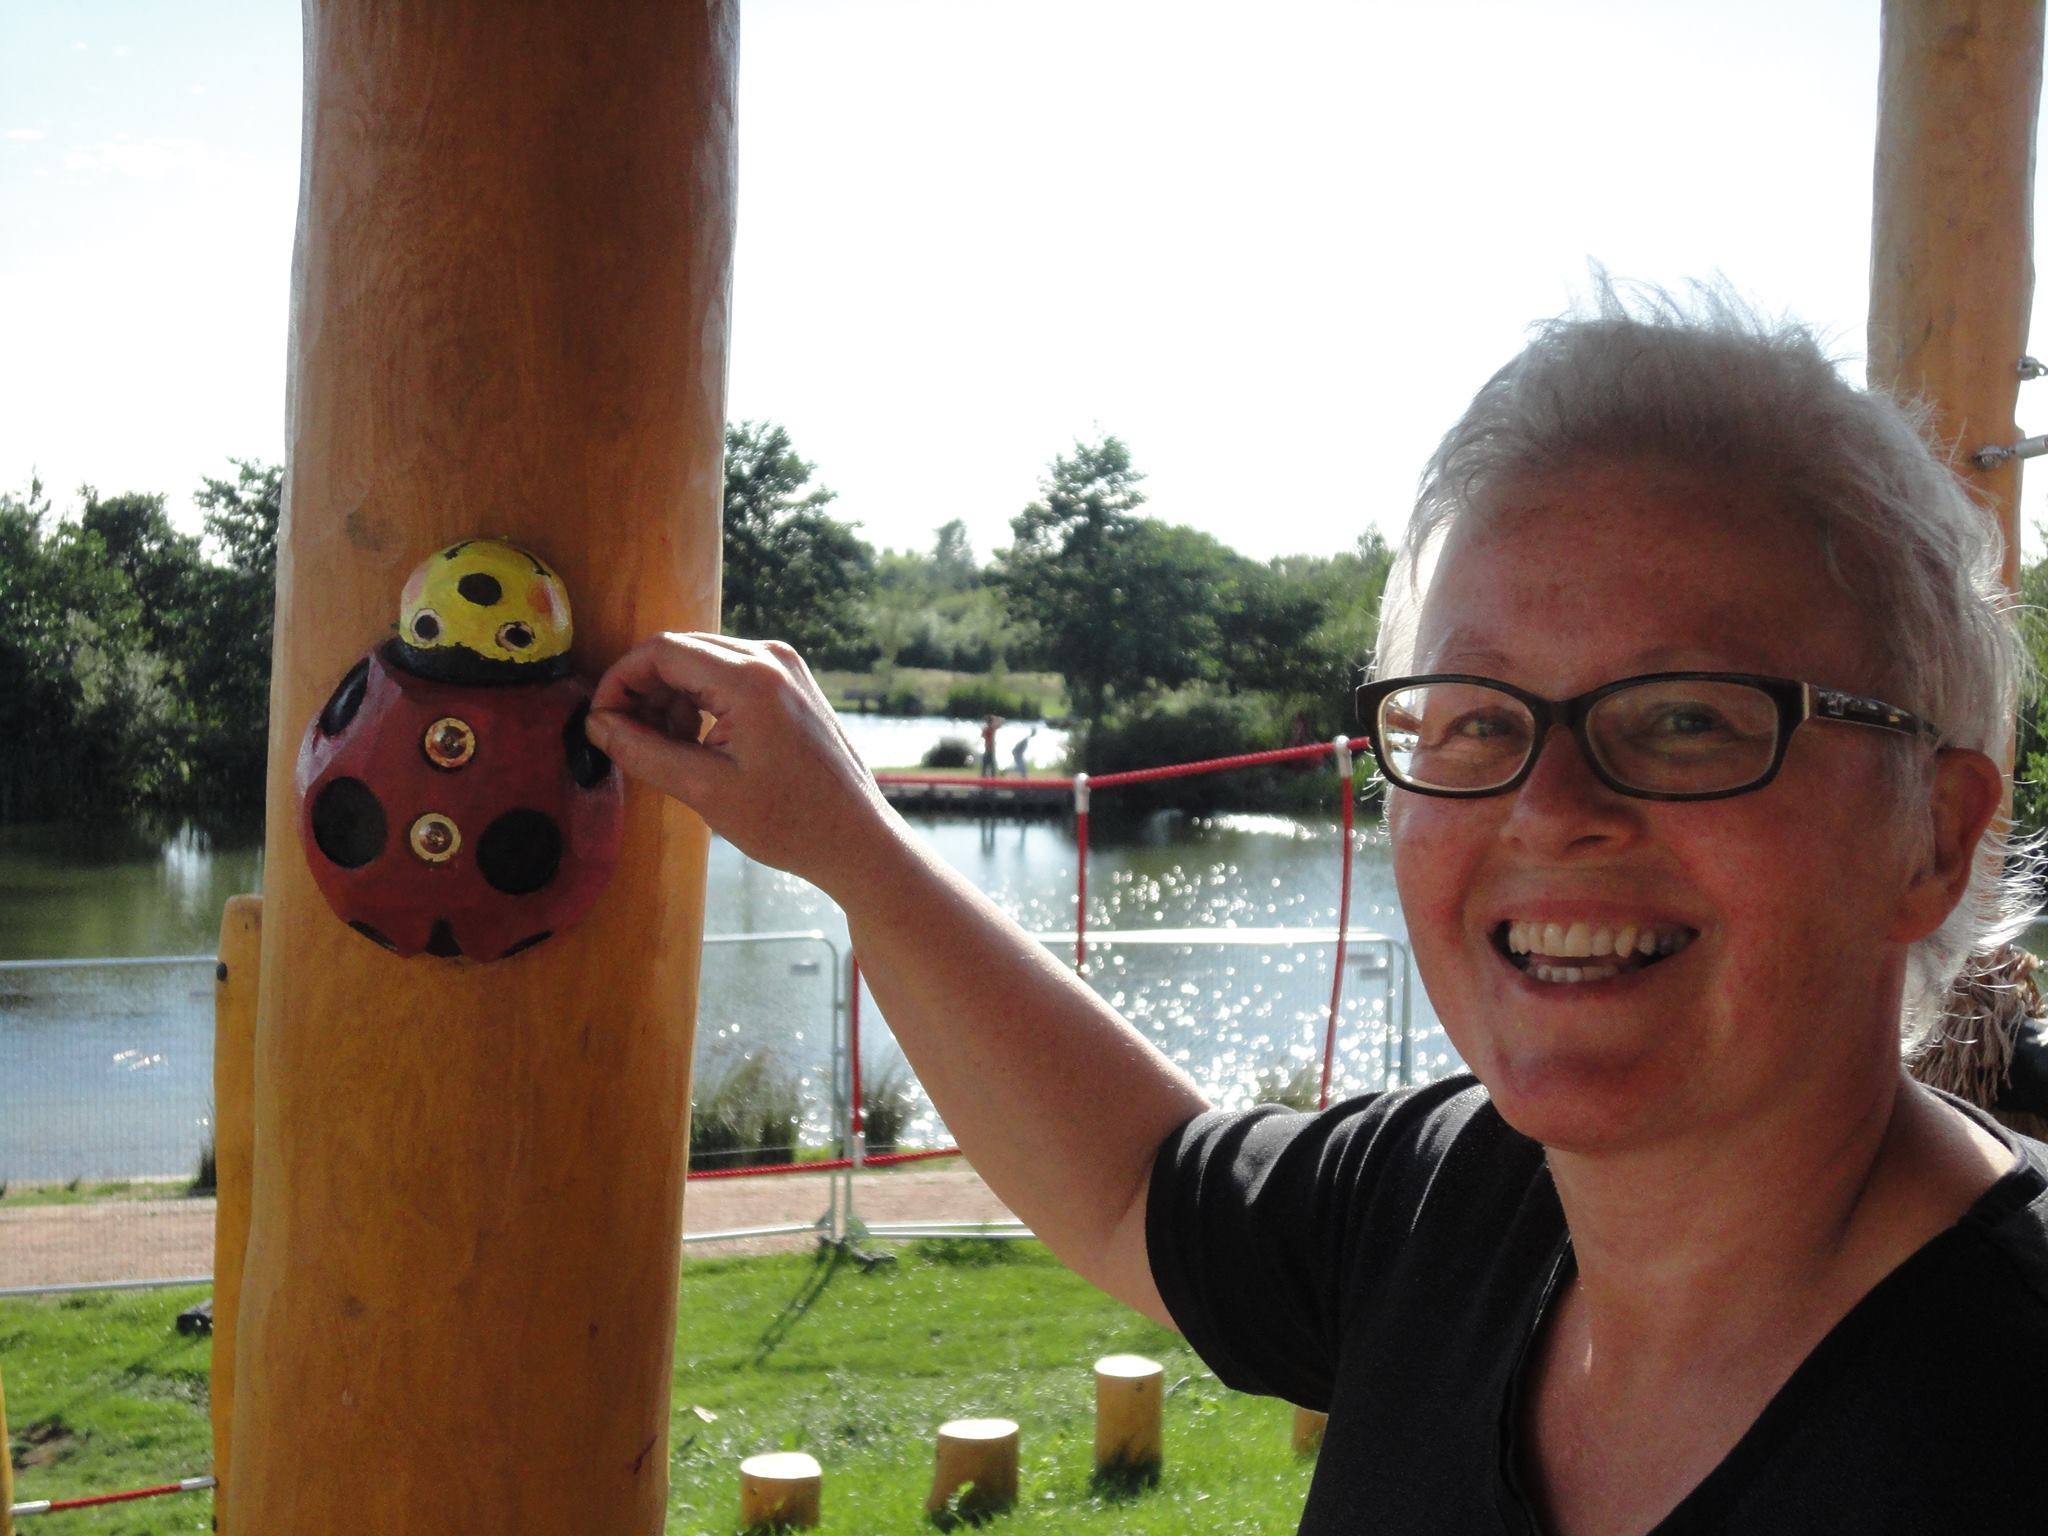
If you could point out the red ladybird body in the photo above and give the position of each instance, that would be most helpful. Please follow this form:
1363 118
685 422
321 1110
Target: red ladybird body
456 819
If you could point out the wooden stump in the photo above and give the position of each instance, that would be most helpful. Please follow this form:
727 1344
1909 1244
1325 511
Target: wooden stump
1129 1416
975 1468
1308 1431
780 1491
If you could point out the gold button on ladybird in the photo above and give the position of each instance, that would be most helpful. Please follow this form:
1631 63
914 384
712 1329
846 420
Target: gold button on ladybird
435 838
450 742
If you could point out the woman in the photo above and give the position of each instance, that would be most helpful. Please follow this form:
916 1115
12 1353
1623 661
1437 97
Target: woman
1691 1253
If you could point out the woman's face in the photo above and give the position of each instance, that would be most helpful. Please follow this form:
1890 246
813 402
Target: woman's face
1783 907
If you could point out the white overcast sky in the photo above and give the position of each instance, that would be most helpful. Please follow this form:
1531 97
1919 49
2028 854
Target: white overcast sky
1273 247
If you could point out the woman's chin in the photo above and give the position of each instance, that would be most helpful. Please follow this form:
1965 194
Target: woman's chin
1580 1101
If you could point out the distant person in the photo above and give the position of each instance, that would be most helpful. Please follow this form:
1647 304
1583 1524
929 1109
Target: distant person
988 745
1017 754
1690 673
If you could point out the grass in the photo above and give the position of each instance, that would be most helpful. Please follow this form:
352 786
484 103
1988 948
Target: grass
85 1192
792 1352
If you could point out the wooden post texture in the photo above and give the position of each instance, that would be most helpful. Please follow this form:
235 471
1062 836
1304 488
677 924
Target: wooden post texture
1130 1416
1951 255
6 1468
234 1150
509 316
974 1468
780 1491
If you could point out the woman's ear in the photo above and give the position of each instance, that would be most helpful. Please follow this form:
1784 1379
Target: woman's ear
1967 791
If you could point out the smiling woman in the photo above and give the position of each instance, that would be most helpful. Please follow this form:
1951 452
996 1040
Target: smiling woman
1694 657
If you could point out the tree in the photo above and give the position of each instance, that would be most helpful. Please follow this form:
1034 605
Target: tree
952 563
792 572
227 670
1081 566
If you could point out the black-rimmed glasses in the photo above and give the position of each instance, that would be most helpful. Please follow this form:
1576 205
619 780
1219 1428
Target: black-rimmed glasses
1662 736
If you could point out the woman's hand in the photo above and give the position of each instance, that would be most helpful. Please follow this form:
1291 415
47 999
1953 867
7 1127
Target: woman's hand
773 773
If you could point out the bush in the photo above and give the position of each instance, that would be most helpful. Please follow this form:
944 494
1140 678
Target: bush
887 1101
750 1117
949 752
976 697
205 1177
1190 725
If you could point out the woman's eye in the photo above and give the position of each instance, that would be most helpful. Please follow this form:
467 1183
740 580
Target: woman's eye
1485 725
1688 720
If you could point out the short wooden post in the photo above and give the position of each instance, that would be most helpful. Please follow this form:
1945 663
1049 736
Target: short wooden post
1129 1416
780 1491
1308 1431
6 1469
234 1158
975 1468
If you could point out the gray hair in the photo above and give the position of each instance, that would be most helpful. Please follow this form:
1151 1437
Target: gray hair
1709 383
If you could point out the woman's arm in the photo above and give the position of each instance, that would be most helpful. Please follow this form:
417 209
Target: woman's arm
1059 1103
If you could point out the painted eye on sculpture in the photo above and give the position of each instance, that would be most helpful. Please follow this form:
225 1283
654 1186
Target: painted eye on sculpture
426 626
515 636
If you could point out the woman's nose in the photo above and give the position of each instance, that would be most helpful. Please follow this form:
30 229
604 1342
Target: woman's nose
1564 806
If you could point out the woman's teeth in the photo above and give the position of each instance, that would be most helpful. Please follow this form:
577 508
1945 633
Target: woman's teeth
1541 948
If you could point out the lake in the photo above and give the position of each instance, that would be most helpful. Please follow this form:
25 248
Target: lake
107 1071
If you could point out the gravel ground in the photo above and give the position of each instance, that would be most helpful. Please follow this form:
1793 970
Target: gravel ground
157 1239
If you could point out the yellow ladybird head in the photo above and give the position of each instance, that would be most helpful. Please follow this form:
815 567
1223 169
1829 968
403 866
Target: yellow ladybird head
486 600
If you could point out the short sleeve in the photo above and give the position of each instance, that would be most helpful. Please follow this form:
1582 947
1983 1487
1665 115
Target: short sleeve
1267 1229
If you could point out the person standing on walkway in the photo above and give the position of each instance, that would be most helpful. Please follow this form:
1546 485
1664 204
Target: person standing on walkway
1017 754
988 745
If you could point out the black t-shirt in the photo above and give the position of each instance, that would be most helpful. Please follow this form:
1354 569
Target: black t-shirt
1388 1261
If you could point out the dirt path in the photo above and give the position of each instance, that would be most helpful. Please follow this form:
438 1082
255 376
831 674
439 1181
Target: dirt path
152 1239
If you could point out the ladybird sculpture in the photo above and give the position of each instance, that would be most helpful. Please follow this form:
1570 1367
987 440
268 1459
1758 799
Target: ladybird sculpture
448 800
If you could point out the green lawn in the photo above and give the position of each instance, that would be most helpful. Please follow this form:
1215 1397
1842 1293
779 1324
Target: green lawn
858 1368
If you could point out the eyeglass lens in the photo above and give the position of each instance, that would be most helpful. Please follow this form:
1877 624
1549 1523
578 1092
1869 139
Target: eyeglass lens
1685 736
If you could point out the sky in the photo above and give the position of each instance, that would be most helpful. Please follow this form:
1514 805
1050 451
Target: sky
1273 248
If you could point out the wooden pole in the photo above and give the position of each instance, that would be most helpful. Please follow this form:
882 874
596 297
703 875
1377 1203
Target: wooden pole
974 1468
234 1152
1130 1413
509 316
780 1491
6 1468
1951 256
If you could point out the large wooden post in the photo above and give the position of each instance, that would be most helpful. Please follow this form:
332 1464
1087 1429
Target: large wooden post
234 1158
509 316
1951 256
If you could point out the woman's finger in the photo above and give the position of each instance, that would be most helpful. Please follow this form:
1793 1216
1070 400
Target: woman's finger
682 769
674 663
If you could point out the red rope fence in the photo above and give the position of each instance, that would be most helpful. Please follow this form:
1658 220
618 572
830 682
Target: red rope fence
94 1501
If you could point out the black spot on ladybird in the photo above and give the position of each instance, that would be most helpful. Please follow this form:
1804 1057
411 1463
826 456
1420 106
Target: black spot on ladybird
441 941
346 699
520 852
588 766
480 589
348 823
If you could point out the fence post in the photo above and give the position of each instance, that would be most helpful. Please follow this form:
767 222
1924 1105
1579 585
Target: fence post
1081 872
1343 750
234 1160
